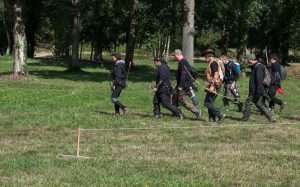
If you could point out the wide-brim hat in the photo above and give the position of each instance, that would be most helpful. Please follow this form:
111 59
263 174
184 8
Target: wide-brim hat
207 52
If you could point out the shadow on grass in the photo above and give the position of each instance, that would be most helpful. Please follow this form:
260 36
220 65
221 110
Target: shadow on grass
130 114
291 118
140 73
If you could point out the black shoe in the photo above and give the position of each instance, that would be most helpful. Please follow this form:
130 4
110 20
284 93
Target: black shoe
240 105
221 118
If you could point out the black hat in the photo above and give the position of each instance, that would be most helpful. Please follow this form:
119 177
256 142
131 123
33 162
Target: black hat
208 52
117 55
157 58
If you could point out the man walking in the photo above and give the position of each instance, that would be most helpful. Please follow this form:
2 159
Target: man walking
119 83
274 70
256 90
213 72
184 82
163 89
230 80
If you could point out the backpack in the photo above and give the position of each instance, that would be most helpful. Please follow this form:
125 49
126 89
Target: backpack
231 65
267 77
221 71
237 67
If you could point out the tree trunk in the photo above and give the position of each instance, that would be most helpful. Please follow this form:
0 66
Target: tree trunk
225 40
9 44
98 51
188 31
81 49
75 65
30 43
166 55
92 50
19 40
131 34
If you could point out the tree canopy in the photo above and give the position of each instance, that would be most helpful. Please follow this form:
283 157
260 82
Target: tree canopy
107 24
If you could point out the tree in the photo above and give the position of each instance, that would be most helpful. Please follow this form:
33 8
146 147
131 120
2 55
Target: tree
75 65
188 30
130 45
32 18
19 39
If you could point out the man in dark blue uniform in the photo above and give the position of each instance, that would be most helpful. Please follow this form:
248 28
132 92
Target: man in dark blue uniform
163 89
256 90
230 84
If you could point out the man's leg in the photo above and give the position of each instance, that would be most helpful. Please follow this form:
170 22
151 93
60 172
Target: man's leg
192 95
183 102
165 100
247 111
258 100
115 99
156 106
209 104
226 94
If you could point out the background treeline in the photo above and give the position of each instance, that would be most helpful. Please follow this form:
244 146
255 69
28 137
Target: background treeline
154 27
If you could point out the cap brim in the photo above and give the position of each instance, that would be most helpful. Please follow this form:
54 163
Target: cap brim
206 53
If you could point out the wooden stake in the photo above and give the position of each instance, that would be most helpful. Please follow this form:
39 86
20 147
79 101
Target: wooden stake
78 142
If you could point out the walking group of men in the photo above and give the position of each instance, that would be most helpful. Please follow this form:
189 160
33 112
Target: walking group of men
219 72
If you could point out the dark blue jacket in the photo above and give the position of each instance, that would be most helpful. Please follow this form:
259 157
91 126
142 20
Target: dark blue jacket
256 86
183 78
164 75
118 74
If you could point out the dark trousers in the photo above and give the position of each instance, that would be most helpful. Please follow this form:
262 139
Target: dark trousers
164 99
115 98
258 101
180 97
229 93
209 103
272 96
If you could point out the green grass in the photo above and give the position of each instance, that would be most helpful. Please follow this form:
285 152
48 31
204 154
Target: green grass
39 117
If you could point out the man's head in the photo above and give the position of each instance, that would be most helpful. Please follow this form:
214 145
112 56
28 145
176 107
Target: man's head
177 54
273 58
224 59
251 59
116 56
208 54
157 61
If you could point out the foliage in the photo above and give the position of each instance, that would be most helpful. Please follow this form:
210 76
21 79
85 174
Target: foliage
39 118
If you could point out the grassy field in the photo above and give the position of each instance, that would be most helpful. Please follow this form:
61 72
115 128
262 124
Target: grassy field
39 116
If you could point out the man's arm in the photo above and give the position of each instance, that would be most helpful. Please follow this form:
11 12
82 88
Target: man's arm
183 75
118 74
260 73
